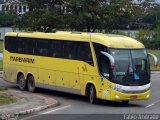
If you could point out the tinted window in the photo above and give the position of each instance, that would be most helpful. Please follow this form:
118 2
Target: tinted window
14 44
70 49
51 48
30 46
84 52
42 47
20 45
56 49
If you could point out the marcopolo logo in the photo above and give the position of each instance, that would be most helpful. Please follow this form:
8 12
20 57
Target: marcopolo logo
20 59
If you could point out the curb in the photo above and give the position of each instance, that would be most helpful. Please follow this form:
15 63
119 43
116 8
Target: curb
155 72
52 103
37 109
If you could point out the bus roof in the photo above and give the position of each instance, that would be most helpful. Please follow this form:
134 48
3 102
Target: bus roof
109 40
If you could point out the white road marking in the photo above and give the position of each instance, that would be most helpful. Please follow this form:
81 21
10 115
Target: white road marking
51 111
152 104
149 105
55 110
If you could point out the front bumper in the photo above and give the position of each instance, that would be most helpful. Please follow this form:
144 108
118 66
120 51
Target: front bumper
119 96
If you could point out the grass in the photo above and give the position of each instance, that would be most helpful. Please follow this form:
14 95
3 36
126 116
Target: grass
0 65
5 98
1 46
157 53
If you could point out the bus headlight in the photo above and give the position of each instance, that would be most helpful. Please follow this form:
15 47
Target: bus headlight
117 87
112 87
117 96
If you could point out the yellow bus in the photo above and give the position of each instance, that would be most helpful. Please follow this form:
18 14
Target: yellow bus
96 65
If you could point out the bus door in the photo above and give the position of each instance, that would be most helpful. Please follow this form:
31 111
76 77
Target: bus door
105 75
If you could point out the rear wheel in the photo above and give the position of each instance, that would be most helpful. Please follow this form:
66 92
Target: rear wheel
92 95
31 84
22 82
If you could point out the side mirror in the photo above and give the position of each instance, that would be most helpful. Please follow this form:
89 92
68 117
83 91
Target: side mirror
111 59
155 59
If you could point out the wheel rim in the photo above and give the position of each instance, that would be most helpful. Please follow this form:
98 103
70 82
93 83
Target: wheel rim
31 84
21 83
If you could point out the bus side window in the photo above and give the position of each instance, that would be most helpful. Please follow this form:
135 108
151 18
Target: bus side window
42 47
84 53
30 46
15 45
9 43
56 48
18 45
69 49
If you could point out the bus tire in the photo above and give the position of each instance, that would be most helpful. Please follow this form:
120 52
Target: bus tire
31 84
22 82
92 95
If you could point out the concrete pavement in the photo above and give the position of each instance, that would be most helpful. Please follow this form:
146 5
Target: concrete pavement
27 103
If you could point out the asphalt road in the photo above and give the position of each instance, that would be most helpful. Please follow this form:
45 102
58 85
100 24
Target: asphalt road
77 107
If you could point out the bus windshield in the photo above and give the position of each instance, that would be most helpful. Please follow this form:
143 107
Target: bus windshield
131 66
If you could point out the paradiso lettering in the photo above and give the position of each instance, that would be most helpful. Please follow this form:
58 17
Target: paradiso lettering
20 59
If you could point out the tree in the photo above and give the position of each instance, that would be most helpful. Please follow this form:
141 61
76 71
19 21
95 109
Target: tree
156 37
7 19
81 15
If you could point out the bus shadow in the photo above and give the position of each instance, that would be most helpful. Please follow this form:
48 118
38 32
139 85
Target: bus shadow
85 99
118 104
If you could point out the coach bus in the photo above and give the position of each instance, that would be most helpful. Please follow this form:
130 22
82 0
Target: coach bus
99 66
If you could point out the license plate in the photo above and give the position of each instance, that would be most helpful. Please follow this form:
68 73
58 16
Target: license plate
134 97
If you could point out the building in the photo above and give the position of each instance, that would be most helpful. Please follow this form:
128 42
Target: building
13 5
142 1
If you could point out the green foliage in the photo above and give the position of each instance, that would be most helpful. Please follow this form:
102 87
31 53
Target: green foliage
157 53
118 32
90 15
3 88
39 20
145 36
150 38
7 19
1 46
1 65
153 16
6 99
156 38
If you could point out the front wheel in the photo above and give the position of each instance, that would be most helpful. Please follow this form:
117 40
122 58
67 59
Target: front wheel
31 84
92 95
